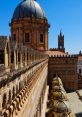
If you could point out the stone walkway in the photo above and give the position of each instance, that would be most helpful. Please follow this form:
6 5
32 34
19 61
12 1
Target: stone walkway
44 106
75 102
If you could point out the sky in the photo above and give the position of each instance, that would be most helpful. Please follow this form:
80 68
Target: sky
65 15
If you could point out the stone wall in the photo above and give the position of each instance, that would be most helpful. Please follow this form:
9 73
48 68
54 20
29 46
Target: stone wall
66 69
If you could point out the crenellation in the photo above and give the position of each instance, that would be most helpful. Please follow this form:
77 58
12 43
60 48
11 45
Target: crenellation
63 56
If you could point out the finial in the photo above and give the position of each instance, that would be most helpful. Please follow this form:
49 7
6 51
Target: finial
26 0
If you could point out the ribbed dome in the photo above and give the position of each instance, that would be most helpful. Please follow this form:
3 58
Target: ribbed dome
56 81
58 88
28 8
62 107
59 95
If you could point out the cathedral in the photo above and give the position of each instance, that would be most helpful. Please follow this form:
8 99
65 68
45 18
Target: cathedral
35 80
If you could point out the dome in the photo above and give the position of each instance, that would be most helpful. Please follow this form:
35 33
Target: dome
58 88
56 81
61 106
28 9
59 96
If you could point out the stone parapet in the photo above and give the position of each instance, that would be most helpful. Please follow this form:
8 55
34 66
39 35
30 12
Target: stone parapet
17 88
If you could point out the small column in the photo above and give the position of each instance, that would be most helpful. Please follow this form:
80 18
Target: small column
26 57
31 56
37 55
21 58
34 54
28 54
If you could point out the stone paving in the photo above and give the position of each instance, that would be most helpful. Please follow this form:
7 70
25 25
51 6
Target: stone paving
80 91
75 102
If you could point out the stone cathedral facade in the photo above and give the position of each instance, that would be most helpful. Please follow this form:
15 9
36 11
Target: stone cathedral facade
29 71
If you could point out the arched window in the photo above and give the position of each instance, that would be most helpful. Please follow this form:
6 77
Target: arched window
41 38
27 37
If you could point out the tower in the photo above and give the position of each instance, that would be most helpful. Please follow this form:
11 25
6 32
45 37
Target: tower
29 25
61 42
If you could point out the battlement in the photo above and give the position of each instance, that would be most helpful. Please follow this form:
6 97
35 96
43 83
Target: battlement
57 49
3 37
63 56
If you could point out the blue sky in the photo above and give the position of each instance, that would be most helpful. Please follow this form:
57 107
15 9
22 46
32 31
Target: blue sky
61 14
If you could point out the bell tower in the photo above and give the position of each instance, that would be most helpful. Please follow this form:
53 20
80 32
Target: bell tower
61 42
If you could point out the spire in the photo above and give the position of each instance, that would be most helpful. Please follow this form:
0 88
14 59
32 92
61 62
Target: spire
61 42
61 32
